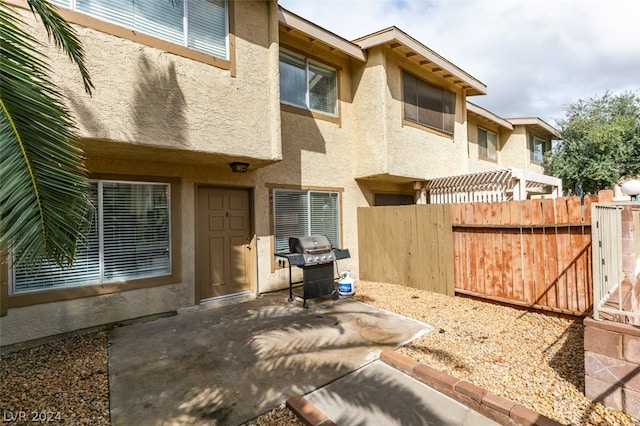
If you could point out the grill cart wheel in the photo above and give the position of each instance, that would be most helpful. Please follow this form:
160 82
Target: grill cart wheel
290 299
335 295
305 305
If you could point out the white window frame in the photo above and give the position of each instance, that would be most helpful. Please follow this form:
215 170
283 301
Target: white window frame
72 5
99 212
309 224
308 61
486 144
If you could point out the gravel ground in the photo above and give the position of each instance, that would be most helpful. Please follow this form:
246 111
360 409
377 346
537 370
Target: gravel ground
63 381
534 359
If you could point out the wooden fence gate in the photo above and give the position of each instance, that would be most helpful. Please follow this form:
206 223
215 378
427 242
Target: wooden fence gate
534 253
407 245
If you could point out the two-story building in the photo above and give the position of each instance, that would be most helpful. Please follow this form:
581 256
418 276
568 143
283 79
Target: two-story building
219 128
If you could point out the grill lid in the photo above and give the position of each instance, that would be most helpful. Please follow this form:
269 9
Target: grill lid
311 244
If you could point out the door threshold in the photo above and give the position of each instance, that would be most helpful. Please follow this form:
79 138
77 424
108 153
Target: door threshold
215 302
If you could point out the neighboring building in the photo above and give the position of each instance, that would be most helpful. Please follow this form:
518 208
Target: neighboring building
322 124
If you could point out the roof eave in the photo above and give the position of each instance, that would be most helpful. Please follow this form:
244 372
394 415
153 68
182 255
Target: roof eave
315 32
427 57
489 115
535 121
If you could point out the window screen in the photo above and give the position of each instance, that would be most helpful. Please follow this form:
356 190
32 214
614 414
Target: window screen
427 104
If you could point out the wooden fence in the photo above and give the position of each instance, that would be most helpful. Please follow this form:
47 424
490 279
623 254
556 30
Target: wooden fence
534 253
407 245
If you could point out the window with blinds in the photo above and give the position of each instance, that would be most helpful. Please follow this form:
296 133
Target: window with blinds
308 84
487 143
299 213
199 24
129 238
428 105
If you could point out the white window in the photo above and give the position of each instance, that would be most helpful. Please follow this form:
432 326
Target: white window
487 143
308 84
199 24
428 105
299 213
129 239
537 149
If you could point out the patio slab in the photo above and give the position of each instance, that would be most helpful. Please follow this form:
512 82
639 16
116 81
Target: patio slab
228 364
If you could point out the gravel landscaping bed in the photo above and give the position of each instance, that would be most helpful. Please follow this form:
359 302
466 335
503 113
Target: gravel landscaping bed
534 359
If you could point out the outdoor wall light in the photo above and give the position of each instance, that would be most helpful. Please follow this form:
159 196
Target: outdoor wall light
239 167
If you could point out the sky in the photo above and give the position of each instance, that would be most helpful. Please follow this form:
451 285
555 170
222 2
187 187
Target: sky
536 57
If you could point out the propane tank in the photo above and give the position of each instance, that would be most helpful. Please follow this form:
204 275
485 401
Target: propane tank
346 284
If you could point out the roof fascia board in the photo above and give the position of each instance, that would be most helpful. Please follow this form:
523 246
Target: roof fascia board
394 34
294 21
489 115
534 121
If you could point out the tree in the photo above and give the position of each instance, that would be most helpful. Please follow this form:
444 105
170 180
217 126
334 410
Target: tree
43 189
600 142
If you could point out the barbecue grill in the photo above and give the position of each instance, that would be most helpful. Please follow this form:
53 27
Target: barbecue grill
315 256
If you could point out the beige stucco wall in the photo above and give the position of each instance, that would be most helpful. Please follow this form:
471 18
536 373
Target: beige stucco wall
146 96
387 146
316 155
516 150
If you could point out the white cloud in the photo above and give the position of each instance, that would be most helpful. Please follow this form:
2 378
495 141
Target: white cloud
535 56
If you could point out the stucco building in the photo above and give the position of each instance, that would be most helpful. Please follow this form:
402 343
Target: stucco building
323 126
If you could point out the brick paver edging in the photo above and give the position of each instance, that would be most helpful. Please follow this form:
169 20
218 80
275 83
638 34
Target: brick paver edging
499 409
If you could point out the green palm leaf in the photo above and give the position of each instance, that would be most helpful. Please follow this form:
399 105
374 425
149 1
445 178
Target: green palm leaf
43 201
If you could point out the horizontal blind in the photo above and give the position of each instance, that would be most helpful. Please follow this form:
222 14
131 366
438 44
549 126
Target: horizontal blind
62 3
325 216
135 230
291 217
160 18
129 238
85 269
293 82
119 12
200 24
208 26
322 89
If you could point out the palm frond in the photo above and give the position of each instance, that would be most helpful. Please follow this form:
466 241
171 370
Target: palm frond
64 37
43 201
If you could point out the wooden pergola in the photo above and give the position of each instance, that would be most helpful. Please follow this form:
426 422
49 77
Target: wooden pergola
488 186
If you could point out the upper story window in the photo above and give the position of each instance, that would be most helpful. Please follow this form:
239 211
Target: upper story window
487 144
428 105
198 24
307 84
538 148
